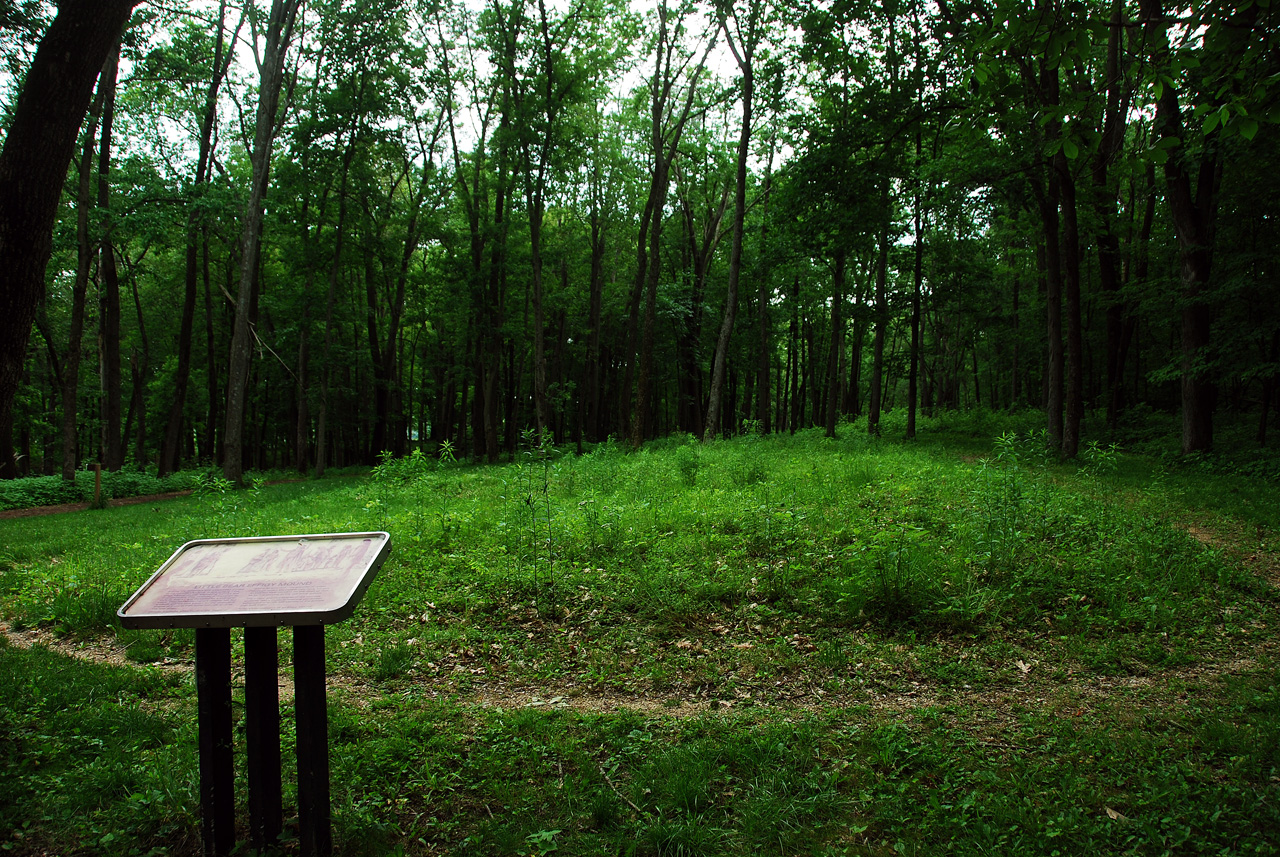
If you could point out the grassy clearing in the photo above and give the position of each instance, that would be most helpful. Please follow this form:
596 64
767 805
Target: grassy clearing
783 646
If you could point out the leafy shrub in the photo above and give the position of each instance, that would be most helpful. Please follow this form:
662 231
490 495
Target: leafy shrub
686 458
404 470
35 491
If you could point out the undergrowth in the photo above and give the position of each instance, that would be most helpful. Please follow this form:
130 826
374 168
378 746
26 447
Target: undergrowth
784 589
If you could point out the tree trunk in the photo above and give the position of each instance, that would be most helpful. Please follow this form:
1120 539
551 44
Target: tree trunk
84 260
1071 287
38 147
1105 193
1269 387
170 451
541 405
1053 314
794 358
335 268
881 316
835 345
640 415
140 363
1050 198
665 131
917 288
209 451
109 285
1194 213
764 359
633 312
595 313
278 35
743 54
302 432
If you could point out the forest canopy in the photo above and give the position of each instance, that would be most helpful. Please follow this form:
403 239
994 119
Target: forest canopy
310 234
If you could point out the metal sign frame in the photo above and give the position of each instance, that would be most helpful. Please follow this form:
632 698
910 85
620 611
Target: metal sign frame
139 610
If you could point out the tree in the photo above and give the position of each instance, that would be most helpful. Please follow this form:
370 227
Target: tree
743 37
278 34
1220 67
170 450
33 164
668 117
112 455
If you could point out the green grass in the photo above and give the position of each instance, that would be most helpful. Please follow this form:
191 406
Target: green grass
786 645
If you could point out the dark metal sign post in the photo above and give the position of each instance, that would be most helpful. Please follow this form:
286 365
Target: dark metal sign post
261 584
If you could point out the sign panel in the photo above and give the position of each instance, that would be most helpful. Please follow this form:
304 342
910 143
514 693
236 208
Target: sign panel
265 581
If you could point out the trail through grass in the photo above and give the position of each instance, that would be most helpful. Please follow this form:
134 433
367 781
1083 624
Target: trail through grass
780 646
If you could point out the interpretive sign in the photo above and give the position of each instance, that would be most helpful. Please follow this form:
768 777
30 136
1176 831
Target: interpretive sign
259 582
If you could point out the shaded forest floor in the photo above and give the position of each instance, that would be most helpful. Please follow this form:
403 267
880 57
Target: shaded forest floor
781 646
61 508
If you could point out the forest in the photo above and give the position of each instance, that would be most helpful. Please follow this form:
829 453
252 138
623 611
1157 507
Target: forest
318 234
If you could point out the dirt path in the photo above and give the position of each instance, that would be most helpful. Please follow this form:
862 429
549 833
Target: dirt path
988 711
80 507
1260 559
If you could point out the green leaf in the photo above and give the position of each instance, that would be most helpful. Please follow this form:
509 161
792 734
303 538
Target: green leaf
1070 149
1210 122
1248 127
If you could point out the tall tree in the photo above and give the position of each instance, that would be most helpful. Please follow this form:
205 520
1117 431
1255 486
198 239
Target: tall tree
112 447
33 165
1223 50
271 63
668 116
743 32
79 289
171 446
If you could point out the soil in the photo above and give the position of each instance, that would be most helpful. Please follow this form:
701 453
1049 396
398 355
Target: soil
80 507
989 711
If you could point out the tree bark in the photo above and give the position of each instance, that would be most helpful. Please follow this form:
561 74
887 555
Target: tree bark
1105 192
209 443
764 294
836 344
1053 313
84 260
171 448
112 455
881 316
595 310
1050 199
271 69
702 241
916 290
40 143
1269 384
666 130
1194 213
743 53
1071 292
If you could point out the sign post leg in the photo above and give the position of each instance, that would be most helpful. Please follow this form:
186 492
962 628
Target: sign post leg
262 735
217 780
310 704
